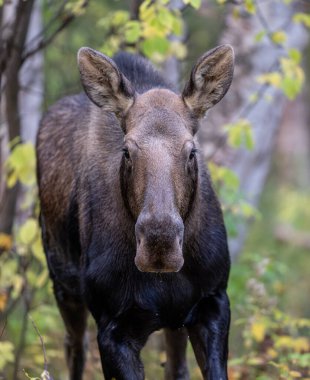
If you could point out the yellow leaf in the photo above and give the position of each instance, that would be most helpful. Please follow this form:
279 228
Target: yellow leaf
28 231
37 250
250 6
162 357
178 49
279 37
42 278
6 353
3 300
272 353
5 242
258 330
255 361
300 344
273 78
11 180
295 374
18 283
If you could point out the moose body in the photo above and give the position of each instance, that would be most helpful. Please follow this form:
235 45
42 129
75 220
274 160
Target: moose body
131 226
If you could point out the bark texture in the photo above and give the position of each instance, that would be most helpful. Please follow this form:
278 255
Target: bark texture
266 116
15 22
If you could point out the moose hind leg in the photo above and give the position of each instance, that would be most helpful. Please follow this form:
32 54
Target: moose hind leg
74 315
176 366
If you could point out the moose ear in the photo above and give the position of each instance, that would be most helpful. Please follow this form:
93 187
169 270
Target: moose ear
210 79
104 84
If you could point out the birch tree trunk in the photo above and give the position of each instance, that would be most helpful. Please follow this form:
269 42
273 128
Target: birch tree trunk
252 59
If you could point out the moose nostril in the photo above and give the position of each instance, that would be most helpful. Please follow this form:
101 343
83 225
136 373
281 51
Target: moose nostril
180 242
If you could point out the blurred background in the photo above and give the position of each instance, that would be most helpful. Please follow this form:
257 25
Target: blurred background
256 143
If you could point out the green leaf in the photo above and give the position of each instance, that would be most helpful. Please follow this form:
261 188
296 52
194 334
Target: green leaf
302 18
248 139
155 45
194 3
165 16
177 26
28 231
223 175
274 79
76 7
6 354
248 211
177 49
120 18
295 55
259 36
132 31
250 6
290 87
253 97
279 37
293 77
29 377
240 134
21 165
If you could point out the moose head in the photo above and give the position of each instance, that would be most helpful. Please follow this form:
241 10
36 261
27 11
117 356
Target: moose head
159 169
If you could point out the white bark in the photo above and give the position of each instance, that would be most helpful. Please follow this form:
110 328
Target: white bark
30 98
252 59
31 82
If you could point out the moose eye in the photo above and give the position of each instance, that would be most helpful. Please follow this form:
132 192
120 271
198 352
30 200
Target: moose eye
126 153
192 153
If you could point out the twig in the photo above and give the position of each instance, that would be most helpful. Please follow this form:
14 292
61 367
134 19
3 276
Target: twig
42 342
266 26
41 34
22 341
246 110
3 328
45 42
27 298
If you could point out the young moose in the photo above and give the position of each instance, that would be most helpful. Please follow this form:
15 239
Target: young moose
132 228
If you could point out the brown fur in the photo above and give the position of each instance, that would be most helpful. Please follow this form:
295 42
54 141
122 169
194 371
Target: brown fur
123 192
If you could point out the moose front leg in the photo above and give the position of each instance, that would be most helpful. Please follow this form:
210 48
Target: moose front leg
209 337
120 352
176 366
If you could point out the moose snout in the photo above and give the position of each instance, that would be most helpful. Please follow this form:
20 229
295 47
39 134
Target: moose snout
159 241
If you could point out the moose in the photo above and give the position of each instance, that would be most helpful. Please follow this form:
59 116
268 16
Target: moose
132 229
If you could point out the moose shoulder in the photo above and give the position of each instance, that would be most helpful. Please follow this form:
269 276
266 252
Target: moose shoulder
132 228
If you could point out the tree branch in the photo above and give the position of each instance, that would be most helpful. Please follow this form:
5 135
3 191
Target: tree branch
49 24
46 41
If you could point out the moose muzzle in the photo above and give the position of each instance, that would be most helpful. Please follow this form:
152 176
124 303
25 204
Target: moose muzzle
159 241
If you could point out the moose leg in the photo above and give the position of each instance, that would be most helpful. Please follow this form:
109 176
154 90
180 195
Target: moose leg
209 337
176 366
120 347
74 315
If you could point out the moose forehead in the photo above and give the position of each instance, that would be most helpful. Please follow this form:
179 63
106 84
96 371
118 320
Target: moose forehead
159 113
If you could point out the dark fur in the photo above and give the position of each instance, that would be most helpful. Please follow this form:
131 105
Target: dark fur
140 72
89 238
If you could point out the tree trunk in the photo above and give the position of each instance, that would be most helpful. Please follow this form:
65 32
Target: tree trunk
252 59
16 18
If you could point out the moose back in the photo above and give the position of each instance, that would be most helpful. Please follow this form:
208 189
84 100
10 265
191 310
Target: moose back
132 229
